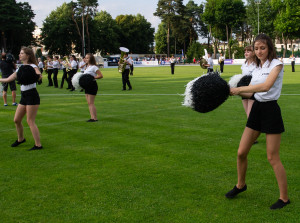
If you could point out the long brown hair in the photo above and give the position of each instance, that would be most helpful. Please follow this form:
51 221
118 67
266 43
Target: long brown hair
271 50
29 52
249 48
92 59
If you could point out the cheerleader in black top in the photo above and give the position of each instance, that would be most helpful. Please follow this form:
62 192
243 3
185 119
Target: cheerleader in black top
265 117
27 75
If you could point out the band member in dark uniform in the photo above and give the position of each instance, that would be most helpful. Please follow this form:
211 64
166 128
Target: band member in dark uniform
74 65
221 62
7 68
293 62
131 66
40 65
56 66
65 74
49 70
210 64
172 62
27 76
125 74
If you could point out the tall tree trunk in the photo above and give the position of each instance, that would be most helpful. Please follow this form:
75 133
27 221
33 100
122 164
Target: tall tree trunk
88 33
285 45
168 39
77 27
228 46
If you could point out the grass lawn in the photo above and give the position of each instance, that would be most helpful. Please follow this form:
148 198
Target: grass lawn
148 159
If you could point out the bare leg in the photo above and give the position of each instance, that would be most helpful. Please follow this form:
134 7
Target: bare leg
31 114
91 102
4 97
273 146
249 106
247 140
245 105
20 113
13 93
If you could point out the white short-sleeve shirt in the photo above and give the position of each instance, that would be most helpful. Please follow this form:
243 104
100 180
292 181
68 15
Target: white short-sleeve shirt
74 64
247 69
91 70
260 75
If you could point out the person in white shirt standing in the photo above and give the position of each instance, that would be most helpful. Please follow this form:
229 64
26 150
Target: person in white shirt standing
293 62
30 99
172 62
125 74
210 64
221 62
265 117
91 92
56 66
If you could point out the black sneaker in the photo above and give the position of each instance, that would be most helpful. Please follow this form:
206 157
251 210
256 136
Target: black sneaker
16 143
92 120
36 148
235 191
279 204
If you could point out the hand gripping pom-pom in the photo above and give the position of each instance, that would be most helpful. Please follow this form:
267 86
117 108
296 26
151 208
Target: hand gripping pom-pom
245 81
206 93
26 75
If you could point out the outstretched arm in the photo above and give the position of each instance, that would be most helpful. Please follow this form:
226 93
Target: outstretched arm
9 79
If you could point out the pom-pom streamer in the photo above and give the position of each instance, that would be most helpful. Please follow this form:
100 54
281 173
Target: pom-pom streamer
26 75
206 93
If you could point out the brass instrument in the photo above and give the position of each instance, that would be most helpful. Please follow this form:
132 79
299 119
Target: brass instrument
66 64
203 61
122 64
46 66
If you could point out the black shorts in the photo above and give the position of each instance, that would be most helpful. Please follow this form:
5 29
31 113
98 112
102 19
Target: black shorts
12 86
266 117
30 97
92 89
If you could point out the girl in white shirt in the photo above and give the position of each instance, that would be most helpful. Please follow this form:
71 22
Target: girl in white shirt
265 117
247 69
91 92
55 65
30 100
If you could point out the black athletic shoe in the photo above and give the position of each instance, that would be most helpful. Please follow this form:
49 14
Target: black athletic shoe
235 191
279 204
16 143
36 148
92 120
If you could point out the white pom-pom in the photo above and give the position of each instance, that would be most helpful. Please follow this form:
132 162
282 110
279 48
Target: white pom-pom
75 80
234 80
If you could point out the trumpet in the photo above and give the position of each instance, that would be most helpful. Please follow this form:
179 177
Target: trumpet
122 64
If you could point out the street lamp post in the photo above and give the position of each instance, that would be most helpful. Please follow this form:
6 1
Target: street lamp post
258 3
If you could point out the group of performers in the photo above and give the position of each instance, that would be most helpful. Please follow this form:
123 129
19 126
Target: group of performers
262 109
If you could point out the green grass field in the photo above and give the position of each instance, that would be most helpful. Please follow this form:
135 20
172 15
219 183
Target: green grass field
148 159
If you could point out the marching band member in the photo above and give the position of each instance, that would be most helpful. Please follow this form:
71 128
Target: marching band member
131 66
49 71
265 117
82 65
293 62
65 75
73 64
56 66
41 65
172 62
30 99
91 92
221 62
210 64
7 68
125 74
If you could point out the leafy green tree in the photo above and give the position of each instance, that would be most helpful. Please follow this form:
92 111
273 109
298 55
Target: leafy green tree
107 30
161 39
169 11
287 20
230 13
58 31
16 25
136 33
266 17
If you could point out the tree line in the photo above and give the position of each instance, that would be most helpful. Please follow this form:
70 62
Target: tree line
79 26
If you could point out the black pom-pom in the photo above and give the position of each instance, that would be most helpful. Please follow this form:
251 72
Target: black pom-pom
86 80
245 81
26 75
209 92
